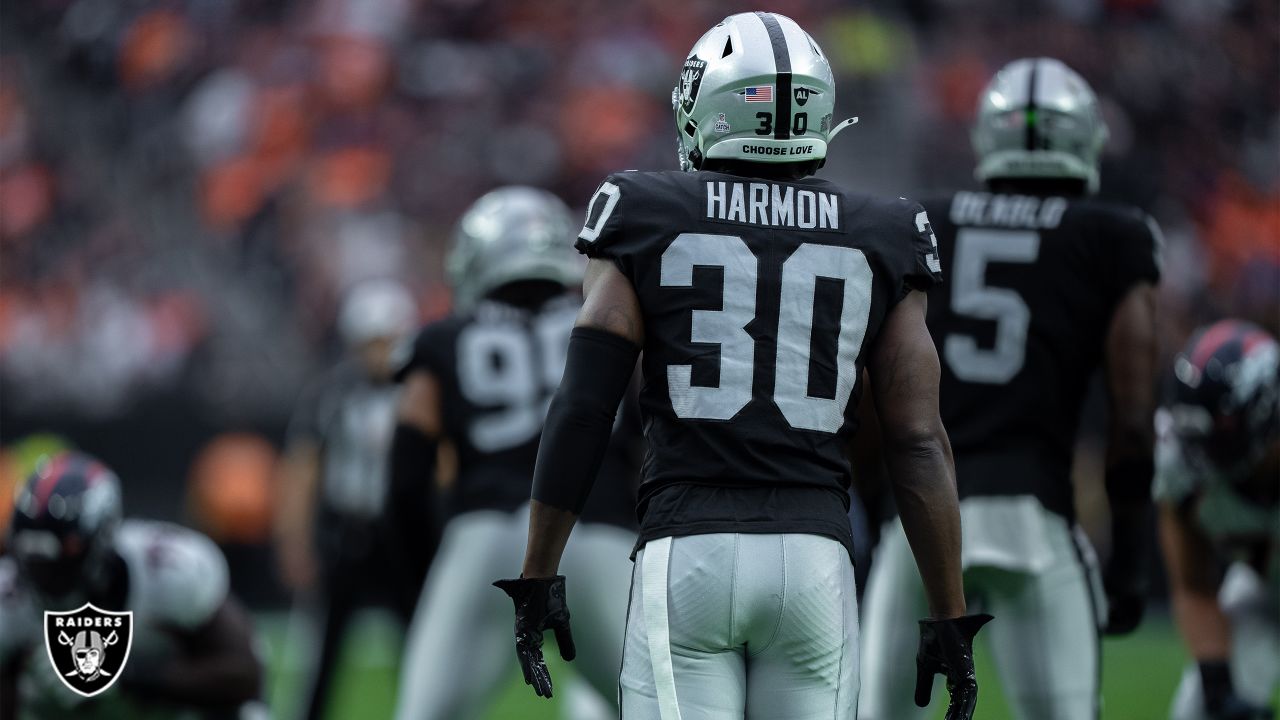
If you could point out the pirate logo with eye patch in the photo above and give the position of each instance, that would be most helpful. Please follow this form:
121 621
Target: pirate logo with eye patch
690 79
88 647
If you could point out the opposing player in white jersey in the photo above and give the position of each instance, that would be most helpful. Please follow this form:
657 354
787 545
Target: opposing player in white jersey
1218 486
192 653
480 380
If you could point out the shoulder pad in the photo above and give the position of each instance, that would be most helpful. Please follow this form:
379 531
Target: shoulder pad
604 216
924 267
179 576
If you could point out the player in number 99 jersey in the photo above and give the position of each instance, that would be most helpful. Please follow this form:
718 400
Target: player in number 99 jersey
758 294
481 380
1045 285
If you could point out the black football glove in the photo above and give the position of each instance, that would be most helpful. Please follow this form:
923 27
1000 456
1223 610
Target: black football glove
1220 699
1124 609
540 605
1126 577
946 648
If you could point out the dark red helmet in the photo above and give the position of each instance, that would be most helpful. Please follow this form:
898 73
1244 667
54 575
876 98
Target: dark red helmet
1226 395
64 523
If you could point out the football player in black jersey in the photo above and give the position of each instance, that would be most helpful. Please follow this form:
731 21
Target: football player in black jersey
758 294
1218 486
481 379
1045 286
332 549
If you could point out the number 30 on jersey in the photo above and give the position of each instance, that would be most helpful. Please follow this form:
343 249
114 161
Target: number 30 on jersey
727 327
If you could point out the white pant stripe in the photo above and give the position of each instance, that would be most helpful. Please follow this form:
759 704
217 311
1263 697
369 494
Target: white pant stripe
657 554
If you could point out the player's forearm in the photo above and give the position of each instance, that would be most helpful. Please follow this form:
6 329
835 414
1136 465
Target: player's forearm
549 529
1193 586
574 441
1131 370
1204 627
1129 472
1128 567
411 489
925 491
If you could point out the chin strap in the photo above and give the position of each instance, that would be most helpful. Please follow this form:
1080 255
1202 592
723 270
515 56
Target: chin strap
836 130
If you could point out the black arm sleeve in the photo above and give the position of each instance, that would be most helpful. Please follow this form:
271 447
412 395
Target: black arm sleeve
580 420
413 463
1129 481
414 517
1128 484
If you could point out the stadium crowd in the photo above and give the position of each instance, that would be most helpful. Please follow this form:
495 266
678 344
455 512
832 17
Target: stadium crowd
187 187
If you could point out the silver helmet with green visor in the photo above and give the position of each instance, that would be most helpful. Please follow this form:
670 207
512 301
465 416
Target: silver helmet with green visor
512 234
1037 118
756 88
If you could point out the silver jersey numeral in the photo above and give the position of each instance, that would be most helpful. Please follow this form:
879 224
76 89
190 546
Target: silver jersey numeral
972 297
727 328
506 367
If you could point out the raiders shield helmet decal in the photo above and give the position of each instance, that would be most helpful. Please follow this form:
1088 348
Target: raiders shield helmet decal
88 647
690 80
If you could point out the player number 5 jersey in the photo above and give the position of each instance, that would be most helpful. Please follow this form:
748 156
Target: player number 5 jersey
1021 326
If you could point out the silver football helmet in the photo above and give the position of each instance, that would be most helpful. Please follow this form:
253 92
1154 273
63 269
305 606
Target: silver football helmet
510 234
375 309
1037 118
758 88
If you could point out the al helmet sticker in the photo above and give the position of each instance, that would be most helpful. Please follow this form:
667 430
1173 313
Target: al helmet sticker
88 647
690 79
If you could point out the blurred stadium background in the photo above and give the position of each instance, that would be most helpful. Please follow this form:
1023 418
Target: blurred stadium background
188 187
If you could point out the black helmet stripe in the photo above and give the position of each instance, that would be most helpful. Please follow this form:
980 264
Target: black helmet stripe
1029 116
782 66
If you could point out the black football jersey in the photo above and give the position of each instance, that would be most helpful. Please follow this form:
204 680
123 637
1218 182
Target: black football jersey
497 369
759 300
1020 328
350 418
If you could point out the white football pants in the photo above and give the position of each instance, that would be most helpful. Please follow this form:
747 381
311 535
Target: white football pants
1023 565
460 648
732 626
1255 645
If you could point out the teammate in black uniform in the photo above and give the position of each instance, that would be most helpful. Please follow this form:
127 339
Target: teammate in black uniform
758 294
1045 285
481 379
332 546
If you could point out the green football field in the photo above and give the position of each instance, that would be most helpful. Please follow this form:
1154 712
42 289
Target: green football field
1139 676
